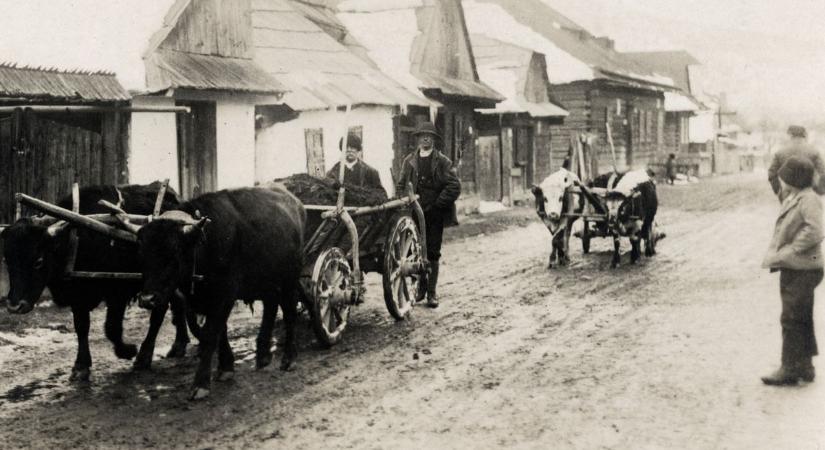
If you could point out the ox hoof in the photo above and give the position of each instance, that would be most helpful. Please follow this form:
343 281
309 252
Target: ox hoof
288 366
80 375
142 364
126 351
199 394
177 351
262 361
226 375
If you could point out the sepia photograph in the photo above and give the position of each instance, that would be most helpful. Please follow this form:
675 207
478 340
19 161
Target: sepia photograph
411 224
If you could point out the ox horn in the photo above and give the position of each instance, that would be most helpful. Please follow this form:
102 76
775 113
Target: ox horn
56 228
199 225
43 221
121 216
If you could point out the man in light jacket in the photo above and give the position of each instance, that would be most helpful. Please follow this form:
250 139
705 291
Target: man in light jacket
796 252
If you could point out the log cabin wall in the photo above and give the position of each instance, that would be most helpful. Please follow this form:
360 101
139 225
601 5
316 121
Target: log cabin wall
44 154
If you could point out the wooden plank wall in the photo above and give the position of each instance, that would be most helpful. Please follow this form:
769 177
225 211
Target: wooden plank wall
575 98
43 155
213 27
547 158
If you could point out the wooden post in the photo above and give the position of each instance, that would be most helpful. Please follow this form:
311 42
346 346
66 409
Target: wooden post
342 161
612 148
73 239
76 219
161 195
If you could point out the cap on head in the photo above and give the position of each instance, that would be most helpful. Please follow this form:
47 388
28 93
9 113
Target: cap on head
797 131
426 128
797 172
353 141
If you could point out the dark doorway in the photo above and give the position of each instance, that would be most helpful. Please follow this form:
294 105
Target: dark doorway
197 149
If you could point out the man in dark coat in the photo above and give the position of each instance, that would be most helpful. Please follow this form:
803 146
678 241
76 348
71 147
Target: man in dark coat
435 181
356 171
798 146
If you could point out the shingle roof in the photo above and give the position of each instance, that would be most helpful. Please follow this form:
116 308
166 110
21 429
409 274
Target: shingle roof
507 69
32 83
394 33
572 52
192 71
319 71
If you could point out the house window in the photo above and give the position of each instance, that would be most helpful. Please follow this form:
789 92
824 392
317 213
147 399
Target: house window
618 107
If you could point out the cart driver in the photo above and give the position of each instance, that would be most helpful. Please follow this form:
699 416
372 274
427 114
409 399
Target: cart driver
356 171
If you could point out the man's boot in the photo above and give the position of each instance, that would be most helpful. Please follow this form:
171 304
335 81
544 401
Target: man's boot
432 282
806 370
783 377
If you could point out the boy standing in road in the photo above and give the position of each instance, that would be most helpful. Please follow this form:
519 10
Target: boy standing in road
437 185
796 252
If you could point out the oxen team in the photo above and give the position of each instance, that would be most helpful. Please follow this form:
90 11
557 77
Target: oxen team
246 243
621 204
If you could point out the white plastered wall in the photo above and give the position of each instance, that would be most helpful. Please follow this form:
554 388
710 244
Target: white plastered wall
236 143
281 148
702 127
153 145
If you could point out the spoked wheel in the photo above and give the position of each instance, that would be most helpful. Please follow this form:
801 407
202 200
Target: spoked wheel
404 277
586 238
653 237
332 292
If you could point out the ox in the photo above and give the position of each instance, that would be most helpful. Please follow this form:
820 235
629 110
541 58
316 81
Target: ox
37 251
253 249
631 203
552 201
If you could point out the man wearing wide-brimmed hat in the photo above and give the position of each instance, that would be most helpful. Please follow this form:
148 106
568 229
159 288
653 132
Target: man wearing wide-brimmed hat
437 185
356 171
798 146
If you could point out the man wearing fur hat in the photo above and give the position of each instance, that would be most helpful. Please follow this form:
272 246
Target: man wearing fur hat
796 252
437 185
798 146
356 171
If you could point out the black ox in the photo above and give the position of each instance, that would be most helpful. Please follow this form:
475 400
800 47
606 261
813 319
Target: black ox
251 249
37 250
631 204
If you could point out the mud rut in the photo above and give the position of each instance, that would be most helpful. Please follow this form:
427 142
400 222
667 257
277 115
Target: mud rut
663 354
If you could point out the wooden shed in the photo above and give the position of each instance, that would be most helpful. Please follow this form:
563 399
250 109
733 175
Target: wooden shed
514 148
595 83
425 46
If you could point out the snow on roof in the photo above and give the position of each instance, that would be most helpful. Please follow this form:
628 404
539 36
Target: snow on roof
573 54
678 102
109 35
562 67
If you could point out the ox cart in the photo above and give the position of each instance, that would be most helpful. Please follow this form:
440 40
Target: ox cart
347 243
351 241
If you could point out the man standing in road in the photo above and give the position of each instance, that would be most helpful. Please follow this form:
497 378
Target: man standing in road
437 185
356 171
798 146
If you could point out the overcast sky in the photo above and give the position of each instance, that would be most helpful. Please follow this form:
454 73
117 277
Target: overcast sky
769 55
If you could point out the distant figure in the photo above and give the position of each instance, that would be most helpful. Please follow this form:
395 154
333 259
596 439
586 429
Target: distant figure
670 168
356 171
798 146
435 181
796 252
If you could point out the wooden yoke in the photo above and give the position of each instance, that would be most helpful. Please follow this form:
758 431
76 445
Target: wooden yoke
75 219
161 195
73 240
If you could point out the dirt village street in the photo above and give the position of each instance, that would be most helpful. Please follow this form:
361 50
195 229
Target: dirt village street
664 354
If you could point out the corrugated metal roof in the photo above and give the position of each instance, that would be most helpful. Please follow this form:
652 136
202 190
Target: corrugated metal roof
573 53
193 71
394 31
53 84
319 71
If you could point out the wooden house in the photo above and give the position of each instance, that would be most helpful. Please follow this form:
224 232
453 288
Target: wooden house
425 46
595 83
682 112
306 47
514 139
169 54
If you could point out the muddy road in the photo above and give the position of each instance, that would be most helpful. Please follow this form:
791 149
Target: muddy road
664 354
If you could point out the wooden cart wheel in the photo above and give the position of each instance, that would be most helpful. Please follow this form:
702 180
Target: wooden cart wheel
331 291
653 234
586 238
403 275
